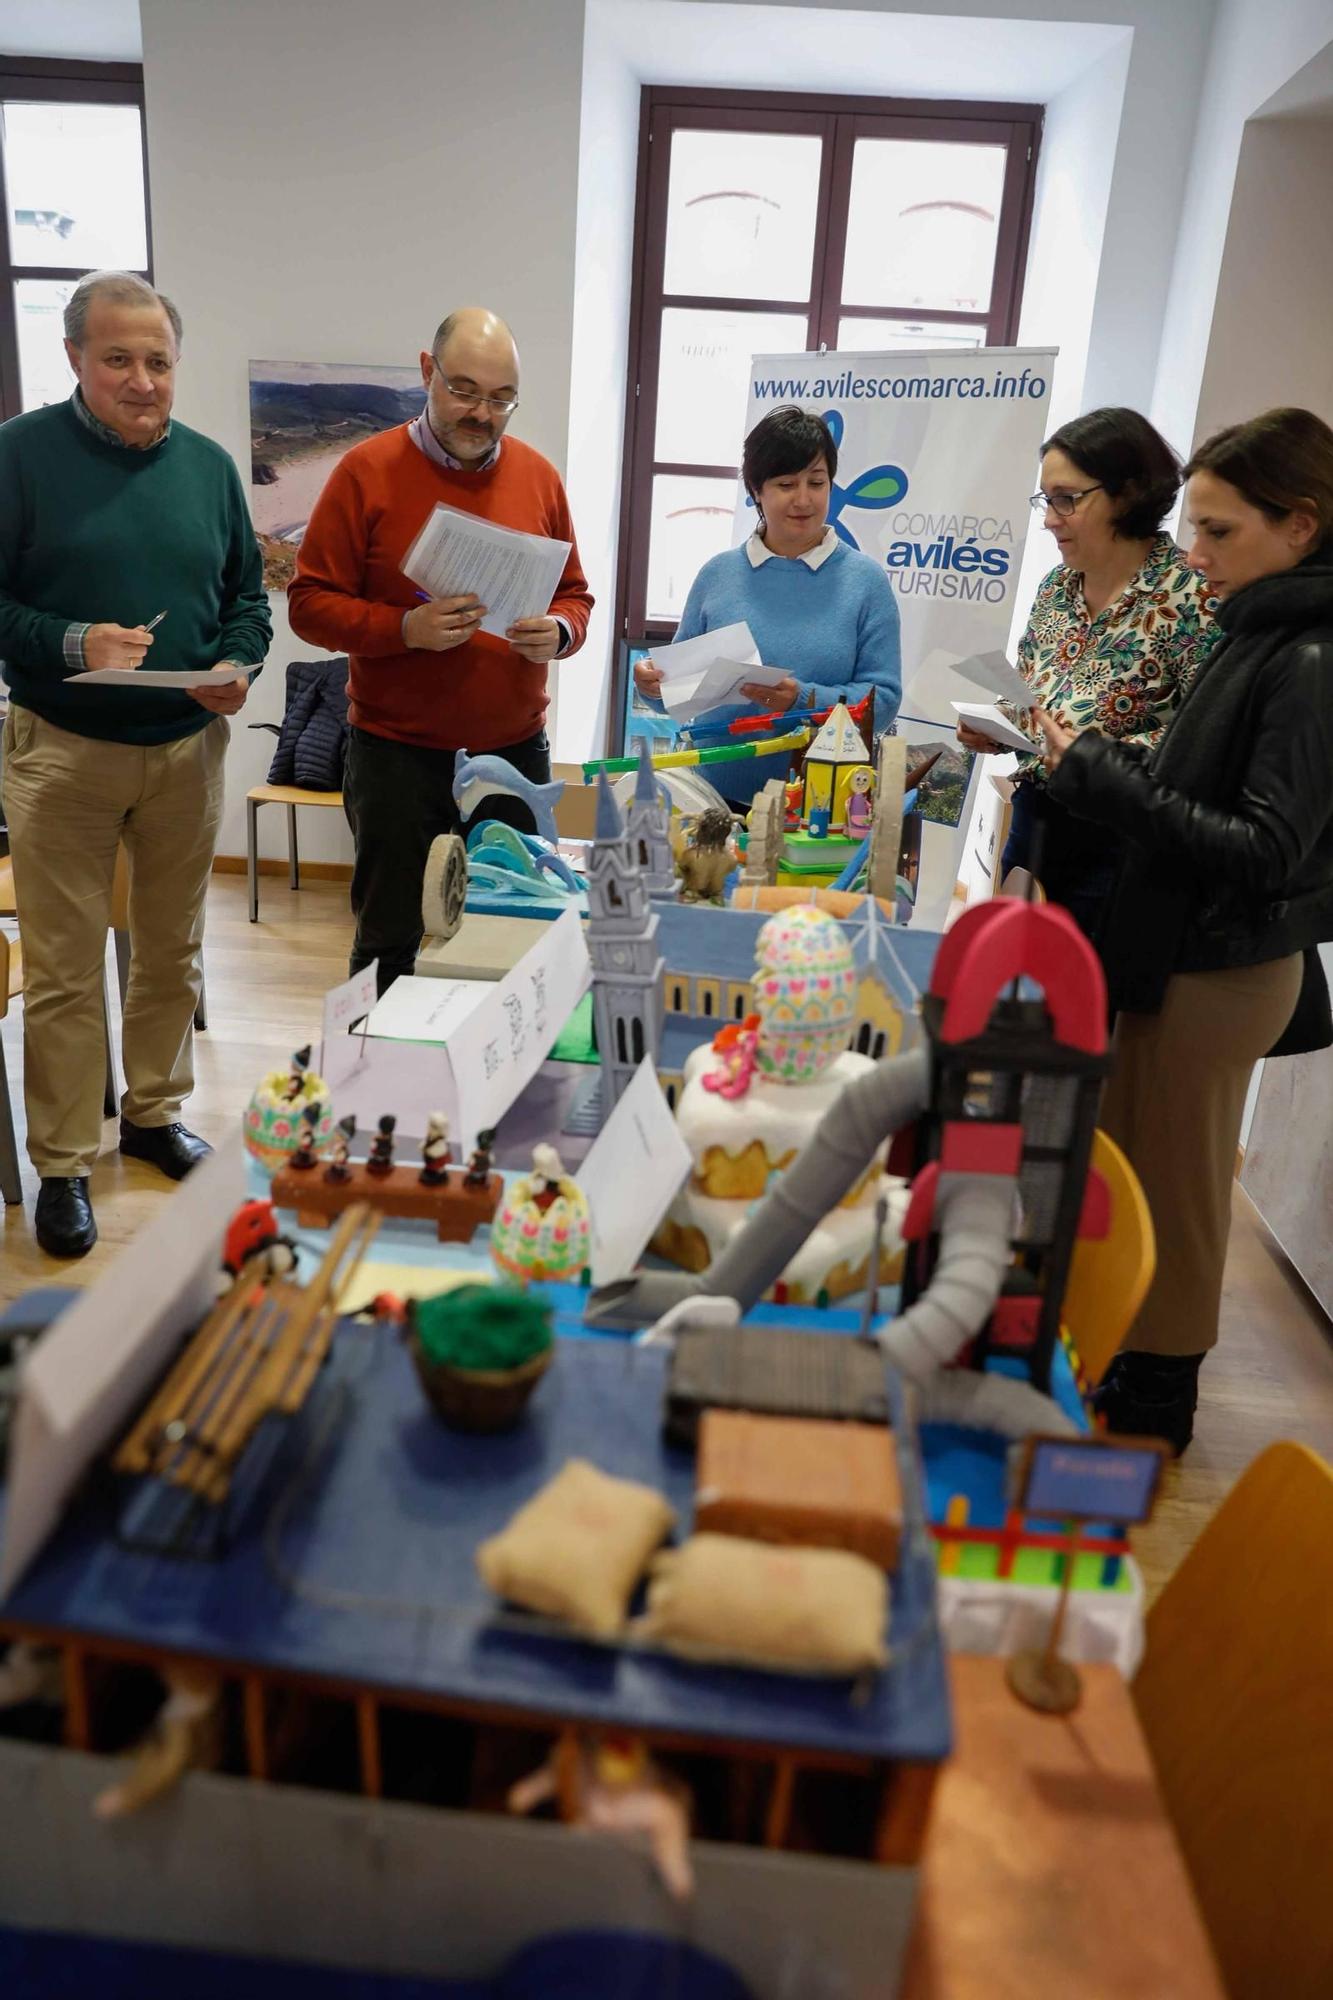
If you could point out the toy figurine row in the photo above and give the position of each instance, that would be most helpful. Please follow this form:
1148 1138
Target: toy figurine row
436 1153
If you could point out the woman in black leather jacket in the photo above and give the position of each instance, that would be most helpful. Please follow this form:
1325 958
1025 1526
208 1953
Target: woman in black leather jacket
1228 886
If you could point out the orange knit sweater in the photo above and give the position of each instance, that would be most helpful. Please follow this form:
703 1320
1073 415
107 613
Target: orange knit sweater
350 594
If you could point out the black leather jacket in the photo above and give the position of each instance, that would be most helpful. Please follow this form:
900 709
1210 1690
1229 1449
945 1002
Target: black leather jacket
1230 818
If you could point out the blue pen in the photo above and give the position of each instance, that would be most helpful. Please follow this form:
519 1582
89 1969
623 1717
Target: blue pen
423 596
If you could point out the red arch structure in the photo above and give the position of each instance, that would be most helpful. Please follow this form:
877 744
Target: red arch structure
996 942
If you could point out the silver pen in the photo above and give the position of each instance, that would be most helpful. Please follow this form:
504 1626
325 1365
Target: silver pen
155 621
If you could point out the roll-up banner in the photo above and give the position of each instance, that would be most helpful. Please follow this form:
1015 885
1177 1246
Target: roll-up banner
937 455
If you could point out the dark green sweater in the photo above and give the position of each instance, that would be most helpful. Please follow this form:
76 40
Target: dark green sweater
104 534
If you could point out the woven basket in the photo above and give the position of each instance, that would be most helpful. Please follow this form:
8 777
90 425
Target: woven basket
478 1399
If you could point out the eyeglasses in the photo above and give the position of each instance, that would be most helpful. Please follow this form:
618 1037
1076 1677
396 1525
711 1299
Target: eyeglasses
472 399
1061 503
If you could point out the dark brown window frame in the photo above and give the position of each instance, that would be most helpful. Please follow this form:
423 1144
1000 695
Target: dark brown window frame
840 121
36 81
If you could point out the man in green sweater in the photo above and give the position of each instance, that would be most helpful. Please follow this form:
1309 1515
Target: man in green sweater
124 538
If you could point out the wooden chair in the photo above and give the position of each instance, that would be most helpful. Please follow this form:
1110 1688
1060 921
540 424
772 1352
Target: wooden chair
290 796
11 985
1235 1695
1109 1276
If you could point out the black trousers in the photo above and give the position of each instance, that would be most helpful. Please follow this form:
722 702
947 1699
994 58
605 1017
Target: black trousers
1075 860
398 797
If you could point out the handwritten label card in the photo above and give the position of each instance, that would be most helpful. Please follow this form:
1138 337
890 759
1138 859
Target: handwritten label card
635 1167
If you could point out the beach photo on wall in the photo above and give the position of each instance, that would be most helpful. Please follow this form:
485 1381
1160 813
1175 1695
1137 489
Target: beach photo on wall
303 416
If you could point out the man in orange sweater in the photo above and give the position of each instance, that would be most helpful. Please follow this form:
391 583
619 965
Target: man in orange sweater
425 682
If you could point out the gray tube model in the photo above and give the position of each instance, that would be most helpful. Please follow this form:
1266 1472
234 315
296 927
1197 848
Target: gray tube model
974 1214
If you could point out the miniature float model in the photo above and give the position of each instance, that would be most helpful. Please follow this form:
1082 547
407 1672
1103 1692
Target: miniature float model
457 1202
287 1105
753 1100
995 1115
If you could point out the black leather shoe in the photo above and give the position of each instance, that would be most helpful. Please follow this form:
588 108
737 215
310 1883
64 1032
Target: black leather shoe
172 1149
63 1219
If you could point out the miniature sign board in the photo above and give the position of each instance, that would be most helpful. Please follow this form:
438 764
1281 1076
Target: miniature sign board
1090 1479
633 1172
346 1005
87 1374
1076 1480
466 1047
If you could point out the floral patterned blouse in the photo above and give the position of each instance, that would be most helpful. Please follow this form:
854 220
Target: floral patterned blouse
1125 671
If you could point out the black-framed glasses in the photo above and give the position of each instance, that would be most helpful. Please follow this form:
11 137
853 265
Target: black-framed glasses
472 399
1061 503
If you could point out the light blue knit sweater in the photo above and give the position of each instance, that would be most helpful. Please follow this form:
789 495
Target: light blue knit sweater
834 628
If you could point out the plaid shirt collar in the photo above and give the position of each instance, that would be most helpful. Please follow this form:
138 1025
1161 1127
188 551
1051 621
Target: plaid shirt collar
105 432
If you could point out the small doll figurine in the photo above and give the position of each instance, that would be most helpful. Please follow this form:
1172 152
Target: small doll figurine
304 1155
435 1151
609 1784
860 796
381 1147
547 1173
479 1166
340 1151
300 1064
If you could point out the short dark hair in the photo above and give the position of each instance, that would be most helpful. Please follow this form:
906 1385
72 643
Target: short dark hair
786 441
1278 461
1133 464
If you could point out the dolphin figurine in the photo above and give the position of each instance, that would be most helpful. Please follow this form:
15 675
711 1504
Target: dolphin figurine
477 778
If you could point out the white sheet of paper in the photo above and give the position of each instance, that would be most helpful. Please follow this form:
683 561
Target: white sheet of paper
694 656
351 1001
996 673
150 677
409 1080
720 683
499 1047
514 575
985 716
425 1010
85 1378
632 1173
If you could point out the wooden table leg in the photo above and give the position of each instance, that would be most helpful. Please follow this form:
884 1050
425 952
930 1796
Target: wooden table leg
256 1734
904 1813
78 1726
777 1819
368 1737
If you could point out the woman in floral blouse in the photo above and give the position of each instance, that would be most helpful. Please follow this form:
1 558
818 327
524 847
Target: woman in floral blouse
1117 632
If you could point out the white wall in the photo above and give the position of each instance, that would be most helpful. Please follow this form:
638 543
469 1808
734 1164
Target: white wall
608 137
1272 334
328 179
1256 48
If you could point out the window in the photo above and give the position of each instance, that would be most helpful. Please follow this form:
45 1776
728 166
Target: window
74 190
770 223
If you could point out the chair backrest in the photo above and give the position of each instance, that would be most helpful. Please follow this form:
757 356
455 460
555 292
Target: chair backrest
1235 1695
1109 1276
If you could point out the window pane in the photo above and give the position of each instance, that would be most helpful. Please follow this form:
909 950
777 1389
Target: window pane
704 378
75 179
691 520
741 214
922 224
900 336
44 373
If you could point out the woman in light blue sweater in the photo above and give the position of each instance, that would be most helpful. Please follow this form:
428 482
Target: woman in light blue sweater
816 607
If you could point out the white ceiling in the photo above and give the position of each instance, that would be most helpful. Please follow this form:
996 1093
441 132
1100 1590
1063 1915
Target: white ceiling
711 42
94 30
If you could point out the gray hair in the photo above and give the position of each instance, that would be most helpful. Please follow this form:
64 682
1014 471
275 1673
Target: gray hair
122 288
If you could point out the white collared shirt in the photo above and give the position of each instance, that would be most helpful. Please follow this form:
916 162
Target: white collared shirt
759 552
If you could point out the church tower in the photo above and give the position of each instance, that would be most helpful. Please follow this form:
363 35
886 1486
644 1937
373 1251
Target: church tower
627 967
649 829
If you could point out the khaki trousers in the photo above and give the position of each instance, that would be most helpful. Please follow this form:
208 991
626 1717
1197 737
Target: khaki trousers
1174 1104
70 800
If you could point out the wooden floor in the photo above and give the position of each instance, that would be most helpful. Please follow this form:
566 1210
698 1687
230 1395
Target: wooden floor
1271 1377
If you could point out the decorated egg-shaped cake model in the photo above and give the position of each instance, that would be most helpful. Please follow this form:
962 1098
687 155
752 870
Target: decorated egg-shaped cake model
276 1116
542 1230
804 993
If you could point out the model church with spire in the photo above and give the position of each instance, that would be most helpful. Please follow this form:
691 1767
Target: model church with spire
622 937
